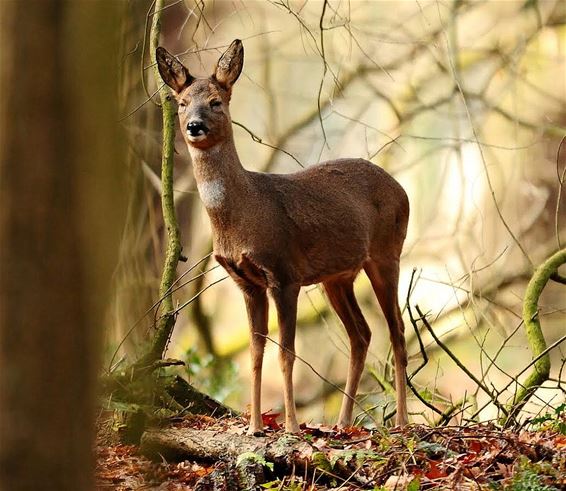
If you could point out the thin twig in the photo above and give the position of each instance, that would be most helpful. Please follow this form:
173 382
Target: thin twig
257 139
458 362
194 297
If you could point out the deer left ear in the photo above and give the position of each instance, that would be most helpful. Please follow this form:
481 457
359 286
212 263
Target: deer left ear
172 71
230 65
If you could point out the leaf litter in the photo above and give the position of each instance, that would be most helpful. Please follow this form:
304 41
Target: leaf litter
414 458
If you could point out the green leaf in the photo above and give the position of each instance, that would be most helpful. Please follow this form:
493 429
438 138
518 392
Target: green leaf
414 485
360 456
253 457
434 450
271 484
320 461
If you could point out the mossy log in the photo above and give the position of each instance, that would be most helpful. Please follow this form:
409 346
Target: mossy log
147 400
174 392
211 445
243 459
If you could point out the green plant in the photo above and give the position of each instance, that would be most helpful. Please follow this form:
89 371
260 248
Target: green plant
253 458
528 480
555 419
358 456
530 477
287 484
214 376
414 485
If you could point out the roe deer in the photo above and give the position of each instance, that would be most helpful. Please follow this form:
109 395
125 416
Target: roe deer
276 233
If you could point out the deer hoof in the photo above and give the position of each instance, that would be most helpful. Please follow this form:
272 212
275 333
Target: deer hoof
292 428
257 433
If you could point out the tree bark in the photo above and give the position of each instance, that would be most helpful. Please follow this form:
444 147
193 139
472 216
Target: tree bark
183 443
59 228
283 454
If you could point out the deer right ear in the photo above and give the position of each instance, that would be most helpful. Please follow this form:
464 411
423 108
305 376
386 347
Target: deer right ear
172 71
230 65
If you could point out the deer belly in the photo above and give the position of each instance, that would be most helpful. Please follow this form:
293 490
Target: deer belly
323 267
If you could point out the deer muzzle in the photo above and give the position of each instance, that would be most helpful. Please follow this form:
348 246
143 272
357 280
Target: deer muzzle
196 130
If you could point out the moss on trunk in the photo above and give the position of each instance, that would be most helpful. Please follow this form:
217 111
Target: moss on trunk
535 336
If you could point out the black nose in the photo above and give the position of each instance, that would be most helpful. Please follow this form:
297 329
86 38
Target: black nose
196 128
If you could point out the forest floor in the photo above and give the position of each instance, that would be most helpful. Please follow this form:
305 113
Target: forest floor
415 458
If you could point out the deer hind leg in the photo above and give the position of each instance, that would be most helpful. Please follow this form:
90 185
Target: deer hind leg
341 296
285 299
384 278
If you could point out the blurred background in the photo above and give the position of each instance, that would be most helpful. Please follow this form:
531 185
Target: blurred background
462 102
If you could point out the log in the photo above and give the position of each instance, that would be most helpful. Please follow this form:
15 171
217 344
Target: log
195 401
181 443
147 390
243 462
184 443
229 477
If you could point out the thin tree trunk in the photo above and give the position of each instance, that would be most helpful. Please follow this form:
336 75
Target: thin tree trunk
166 322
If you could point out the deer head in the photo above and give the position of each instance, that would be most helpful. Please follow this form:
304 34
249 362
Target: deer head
203 103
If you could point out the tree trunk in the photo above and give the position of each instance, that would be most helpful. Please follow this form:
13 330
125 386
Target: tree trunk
59 220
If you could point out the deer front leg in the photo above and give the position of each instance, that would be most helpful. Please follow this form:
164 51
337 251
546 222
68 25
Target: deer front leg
257 308
286 302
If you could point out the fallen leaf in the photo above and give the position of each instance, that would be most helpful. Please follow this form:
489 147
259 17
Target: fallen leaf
270 420
434 471
398 483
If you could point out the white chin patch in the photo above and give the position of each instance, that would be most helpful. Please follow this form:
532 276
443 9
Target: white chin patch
201 136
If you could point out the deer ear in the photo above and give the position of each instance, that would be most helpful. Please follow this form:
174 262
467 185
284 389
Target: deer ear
230 65
172 71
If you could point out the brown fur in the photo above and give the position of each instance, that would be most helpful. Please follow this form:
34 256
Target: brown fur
276 233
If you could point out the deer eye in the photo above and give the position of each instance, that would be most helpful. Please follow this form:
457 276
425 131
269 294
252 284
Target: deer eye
215 103
182 106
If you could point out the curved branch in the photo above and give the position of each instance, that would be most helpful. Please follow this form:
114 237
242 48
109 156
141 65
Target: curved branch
535 337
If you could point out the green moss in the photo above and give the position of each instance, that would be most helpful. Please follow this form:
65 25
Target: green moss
535 336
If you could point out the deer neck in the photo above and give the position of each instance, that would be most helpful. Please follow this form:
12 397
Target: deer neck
222 182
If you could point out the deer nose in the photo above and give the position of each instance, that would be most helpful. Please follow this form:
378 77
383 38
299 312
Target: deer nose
197 128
